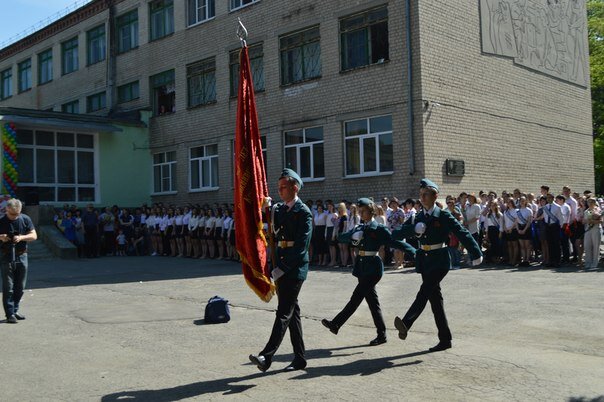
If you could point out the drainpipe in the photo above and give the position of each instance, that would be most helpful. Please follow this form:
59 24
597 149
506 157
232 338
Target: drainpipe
410 90
111 58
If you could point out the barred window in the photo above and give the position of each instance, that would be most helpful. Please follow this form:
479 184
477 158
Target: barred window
201 82
128 92
304 152
96 102
127 31
300 56
45 66
368 146
364 38
163 90
256 65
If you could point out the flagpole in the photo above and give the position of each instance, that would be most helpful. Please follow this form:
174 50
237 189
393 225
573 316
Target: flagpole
241 32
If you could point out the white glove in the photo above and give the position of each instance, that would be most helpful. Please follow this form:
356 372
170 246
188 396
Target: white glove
477 261
277 273
357 236
420 228
266 203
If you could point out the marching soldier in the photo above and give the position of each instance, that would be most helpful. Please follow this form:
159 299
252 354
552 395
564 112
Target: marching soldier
433 262
368 268
292 222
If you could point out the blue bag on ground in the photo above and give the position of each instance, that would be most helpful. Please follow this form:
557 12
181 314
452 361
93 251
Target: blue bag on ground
217 311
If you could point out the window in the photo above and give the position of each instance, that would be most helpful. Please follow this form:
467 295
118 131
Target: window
364 38
95 38
59 166
162 18
300 56
25 75
368 144
71 107
201 82
164 172
69 56
200 10
162 87
256 65
304 152
127 31
203 162
6 83
96 102
128 92
45 66
235 4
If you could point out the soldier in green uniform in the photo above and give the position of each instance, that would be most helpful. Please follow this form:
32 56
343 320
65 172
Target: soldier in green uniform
368 268
432 227
292 223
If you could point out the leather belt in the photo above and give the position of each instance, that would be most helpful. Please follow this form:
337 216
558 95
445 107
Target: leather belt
364 253
285 244
430 247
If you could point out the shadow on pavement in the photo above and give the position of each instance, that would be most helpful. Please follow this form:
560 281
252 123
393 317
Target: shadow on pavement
229 386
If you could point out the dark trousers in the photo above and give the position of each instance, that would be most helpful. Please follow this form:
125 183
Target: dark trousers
552 233
364 290
13 283
109 242
494 251
565 246
288 316
90 238
430 292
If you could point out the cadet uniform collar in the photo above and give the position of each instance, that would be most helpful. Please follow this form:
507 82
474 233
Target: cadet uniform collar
293 202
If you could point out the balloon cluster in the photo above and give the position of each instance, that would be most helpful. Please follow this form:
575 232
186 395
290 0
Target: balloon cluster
10 174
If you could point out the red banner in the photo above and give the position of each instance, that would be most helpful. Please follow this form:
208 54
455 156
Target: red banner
250 187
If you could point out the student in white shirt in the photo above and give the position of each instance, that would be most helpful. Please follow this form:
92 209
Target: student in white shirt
510 231
209 233
493 221
218 233
564 233
318 238
330 232
226 228
554 219
201 233
185 231
192 227
354 219
524 216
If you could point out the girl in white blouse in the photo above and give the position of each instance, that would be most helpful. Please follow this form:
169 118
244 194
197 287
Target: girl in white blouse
193 232
330 232
525 233
209 233
354 219
510 231
226 229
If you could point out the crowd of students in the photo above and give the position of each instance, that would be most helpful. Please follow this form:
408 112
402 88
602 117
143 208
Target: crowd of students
515 228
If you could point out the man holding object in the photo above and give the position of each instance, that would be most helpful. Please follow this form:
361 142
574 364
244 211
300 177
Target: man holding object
292 225
16 229
432 227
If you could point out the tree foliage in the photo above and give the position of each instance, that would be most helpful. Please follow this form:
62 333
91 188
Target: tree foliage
595 19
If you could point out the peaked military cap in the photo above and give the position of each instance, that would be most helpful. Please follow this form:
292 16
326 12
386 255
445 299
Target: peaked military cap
427 183
364 202
290 173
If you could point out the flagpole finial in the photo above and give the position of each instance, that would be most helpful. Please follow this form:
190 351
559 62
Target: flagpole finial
241 32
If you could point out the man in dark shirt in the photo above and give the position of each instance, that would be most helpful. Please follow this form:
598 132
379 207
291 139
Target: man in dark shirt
16 229
90 221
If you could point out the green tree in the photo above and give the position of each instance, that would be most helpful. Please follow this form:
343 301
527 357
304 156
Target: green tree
595 19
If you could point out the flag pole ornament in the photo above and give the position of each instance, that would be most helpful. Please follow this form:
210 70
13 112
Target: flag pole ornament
251 189
10 174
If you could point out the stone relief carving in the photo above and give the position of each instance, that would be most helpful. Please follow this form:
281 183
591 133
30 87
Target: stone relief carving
549 36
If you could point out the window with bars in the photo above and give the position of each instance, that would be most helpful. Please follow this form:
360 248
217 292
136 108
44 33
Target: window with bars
161 18
203 162
256 65
368 146
71 107
59 166
304 152
69 56
45 66
235 4
200 10
164 172
163 91
127 31
300 56
201 82
128 92
6 83
25 75
96 49
364 38
96 102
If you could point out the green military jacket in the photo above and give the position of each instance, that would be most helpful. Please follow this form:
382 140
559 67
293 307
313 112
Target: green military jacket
438 226
293 225
375 235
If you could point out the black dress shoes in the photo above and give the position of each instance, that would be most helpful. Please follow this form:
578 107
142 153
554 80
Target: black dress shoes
441 346
19 316
331 326
261 362
402 328
378 341
11 320
297 364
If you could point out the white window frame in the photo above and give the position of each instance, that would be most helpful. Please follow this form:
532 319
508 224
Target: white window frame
361 139
172 168
56 148
197 7
200 160
240 6
305 144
